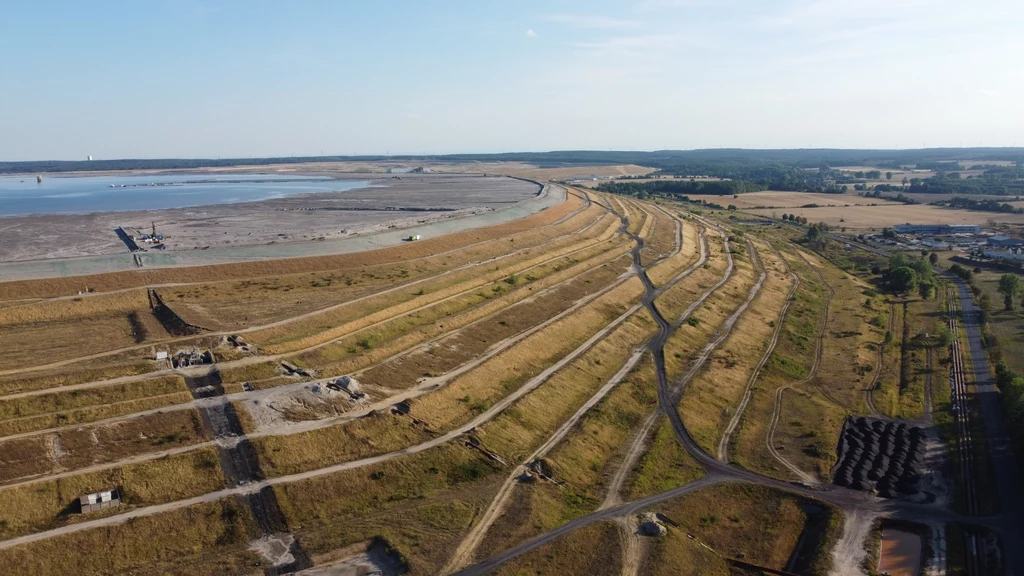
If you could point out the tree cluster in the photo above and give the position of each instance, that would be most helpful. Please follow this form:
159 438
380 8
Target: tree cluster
1011 288
980 205
794 218
959 271
1011 388
906 275
679 187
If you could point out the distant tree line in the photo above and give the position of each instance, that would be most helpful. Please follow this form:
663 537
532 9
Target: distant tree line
980 205
999 181
679 187
808 170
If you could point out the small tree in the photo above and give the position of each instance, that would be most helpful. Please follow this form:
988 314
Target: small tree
925 289
903 280
888 175
1010 288
945 337
933 258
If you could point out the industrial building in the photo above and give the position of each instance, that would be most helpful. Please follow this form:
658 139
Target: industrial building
1011 254
937 229
1004 241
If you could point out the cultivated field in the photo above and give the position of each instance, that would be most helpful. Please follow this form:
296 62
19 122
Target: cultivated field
888 214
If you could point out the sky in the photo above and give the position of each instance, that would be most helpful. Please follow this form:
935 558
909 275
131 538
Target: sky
199 79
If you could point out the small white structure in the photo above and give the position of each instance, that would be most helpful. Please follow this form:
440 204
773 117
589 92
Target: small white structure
161 355
100 501
1015 254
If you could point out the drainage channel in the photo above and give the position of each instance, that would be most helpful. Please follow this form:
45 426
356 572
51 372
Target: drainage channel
238 460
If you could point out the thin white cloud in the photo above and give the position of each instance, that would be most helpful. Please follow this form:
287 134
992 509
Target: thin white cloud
629 45
988 93
531 34
591 21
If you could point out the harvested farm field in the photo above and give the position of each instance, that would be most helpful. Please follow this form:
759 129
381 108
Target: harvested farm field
553 380
887 215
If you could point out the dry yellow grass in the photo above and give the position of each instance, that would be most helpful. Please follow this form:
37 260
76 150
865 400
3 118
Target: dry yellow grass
708 317
63 401
664 465
282 455
262 300
811 418
808 431
513 434
536 416
351 495
325 326
593 550
348 355
204 539
661 240
445 409
58 377
457 348
761 523
711 398
789 363
80 447
674 301
650 219
688 254
66 309
475 390
90 414
848 351
32 344
582 461
638 218
47 505
494 282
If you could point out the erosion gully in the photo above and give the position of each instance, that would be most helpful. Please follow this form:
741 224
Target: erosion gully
241 466
716 472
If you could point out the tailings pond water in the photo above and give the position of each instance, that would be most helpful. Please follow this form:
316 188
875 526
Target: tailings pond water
900 554
22 194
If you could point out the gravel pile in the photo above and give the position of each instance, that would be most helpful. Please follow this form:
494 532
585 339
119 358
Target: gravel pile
880 455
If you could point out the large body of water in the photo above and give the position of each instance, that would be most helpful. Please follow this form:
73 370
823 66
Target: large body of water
61 195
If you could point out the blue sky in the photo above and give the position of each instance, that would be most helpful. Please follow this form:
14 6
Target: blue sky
204 79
